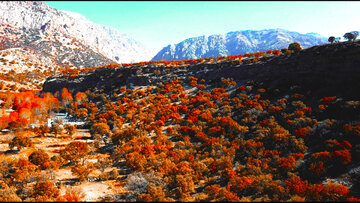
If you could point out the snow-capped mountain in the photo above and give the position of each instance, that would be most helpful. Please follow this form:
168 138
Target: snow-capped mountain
234 43
72 30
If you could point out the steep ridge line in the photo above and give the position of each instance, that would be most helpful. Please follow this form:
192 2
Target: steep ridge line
322 70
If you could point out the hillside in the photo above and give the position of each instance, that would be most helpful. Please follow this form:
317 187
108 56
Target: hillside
37 41
86 115
234 43
290 108
25 68
265 126
323 69
71 34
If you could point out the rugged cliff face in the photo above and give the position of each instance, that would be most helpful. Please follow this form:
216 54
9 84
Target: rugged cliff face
321 70
71 34
234 43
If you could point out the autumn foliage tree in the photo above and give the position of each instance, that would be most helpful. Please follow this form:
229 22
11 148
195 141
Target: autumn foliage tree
70 196
294 47
44 191
20 141
81 171
70 129
66 96
56 128
100 130
75 151
40 158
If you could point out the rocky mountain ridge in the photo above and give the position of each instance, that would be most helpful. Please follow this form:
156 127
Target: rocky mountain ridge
45 22
238 42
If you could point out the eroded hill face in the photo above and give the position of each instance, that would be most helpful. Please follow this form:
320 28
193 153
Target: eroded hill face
317 71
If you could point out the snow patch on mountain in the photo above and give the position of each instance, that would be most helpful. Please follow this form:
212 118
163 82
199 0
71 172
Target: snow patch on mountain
235 43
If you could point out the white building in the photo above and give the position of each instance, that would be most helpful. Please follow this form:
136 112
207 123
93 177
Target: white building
65 118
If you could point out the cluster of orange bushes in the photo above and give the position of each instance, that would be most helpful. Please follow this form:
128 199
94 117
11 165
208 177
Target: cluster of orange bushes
174 63
26 108
27 78
236 146
73 72
216 144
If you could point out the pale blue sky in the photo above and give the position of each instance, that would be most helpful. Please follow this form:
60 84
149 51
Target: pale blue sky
157 23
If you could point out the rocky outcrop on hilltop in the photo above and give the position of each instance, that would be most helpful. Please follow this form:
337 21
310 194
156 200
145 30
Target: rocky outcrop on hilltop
75 36
234 43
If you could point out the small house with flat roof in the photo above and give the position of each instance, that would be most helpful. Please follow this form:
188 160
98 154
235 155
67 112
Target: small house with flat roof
65 118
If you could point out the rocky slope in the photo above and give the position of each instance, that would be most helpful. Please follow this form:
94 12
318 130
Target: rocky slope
323 70
234 43
76 39
329 70
64 49
25 68
319 71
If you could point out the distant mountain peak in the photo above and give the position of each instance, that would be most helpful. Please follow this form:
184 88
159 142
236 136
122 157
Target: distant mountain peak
235 43
109 42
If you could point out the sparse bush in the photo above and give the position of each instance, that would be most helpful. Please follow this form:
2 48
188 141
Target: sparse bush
44 191
8 194
74 151
137 183
81 171
56 129
100 128
294 47
40 158
57 161
70 129
331 39
20 141
71 195
351 36
154 194
110 175
42 130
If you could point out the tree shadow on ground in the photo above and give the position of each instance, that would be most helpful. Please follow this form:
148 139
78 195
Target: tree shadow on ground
8 152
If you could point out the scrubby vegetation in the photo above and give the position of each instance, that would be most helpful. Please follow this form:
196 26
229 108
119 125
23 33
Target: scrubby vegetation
183 140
